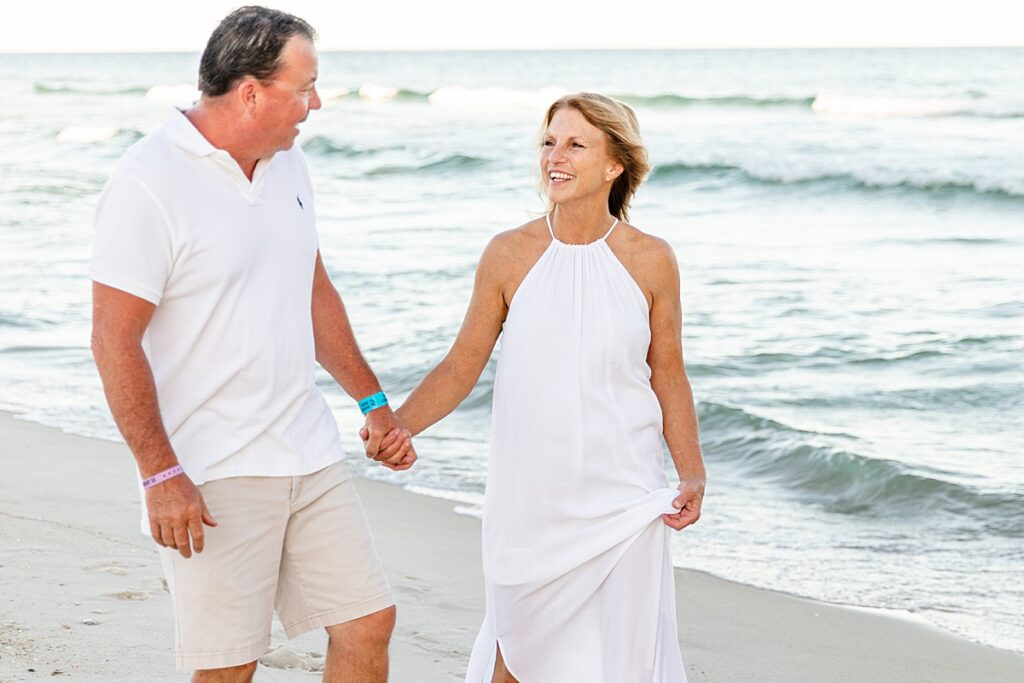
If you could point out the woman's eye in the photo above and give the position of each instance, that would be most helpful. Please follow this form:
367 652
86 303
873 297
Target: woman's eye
576 144
549 143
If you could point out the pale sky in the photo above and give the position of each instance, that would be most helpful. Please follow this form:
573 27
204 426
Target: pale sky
184 25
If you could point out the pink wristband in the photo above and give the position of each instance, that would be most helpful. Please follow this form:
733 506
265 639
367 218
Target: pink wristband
161 477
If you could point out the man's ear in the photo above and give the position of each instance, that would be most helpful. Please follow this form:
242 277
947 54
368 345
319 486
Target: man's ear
247 92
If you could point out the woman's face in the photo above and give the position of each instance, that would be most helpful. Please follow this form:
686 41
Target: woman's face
574 159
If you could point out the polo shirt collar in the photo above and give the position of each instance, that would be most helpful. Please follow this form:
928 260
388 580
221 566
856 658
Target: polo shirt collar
181 132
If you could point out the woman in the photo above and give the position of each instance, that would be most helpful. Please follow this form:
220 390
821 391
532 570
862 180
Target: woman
579 583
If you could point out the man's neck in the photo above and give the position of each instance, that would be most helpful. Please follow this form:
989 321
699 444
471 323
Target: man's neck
220 128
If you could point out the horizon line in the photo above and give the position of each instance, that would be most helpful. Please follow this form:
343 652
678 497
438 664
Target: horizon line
542 49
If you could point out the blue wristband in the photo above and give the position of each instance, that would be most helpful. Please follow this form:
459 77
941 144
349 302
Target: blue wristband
373 402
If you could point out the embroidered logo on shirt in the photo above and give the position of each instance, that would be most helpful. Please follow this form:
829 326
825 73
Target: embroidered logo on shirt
299 201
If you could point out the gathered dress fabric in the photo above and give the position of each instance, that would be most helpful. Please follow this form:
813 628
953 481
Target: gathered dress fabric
577 575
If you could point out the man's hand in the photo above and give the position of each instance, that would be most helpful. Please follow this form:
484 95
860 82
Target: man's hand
176 512
386 441
688 502
379 423
396 450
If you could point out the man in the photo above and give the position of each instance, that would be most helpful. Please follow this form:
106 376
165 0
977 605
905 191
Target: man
210 302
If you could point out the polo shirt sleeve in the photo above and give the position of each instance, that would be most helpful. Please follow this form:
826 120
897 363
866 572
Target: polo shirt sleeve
132 247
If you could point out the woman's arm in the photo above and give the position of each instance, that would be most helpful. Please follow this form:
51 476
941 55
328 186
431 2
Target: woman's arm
450 382
670 384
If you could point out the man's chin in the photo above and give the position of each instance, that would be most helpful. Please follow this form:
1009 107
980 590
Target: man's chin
282 147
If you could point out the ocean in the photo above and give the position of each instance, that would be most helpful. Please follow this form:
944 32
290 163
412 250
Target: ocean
850 229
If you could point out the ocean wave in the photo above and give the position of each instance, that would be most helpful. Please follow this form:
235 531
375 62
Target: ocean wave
954 241
40 349
972 104
490 96
880 106
457 96
835 356
1005 309
88 135
322 145
987 396
671 99
846 482
1005 187
826 104
1002 396
453 162
99 90
15 320
377 92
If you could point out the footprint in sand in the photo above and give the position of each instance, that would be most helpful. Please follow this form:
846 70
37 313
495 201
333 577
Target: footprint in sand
109 567
130 595
412 586
286 658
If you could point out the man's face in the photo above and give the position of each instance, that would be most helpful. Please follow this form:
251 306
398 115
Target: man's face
288 97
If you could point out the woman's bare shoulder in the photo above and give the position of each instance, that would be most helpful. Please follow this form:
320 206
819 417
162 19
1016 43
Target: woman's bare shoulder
644 249
530 234
523 243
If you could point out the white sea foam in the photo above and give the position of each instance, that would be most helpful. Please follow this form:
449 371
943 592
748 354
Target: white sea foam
333 93
457 96
85 135
467 497
871 106
374 91
181 95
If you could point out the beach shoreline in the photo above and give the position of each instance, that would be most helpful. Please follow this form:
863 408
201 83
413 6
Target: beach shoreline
81 592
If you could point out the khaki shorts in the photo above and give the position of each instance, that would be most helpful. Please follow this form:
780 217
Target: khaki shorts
300 545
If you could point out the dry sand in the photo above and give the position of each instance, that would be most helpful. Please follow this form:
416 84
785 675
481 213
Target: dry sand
82 596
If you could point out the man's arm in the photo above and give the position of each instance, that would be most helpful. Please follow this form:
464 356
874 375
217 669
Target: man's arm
176 507
339 354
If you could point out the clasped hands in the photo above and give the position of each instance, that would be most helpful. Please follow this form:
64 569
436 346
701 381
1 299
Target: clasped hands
387 441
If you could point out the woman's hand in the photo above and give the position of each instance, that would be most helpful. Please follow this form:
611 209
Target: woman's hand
691 495
396 450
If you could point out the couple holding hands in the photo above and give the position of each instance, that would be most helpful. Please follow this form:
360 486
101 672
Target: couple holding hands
211 306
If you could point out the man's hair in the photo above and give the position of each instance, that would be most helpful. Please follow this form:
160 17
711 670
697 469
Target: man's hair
247 42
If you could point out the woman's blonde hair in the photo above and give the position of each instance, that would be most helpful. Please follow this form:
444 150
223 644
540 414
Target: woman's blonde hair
619 123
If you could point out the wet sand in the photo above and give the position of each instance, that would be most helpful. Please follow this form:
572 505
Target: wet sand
81 593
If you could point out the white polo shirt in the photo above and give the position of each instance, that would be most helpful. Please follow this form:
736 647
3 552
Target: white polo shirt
229 265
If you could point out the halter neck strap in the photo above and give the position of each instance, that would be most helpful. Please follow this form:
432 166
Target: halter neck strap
614 223
551 230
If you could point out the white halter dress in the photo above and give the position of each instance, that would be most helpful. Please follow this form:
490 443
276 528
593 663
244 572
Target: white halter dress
578 580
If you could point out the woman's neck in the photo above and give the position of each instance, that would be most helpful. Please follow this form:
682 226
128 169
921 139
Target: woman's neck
580 223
